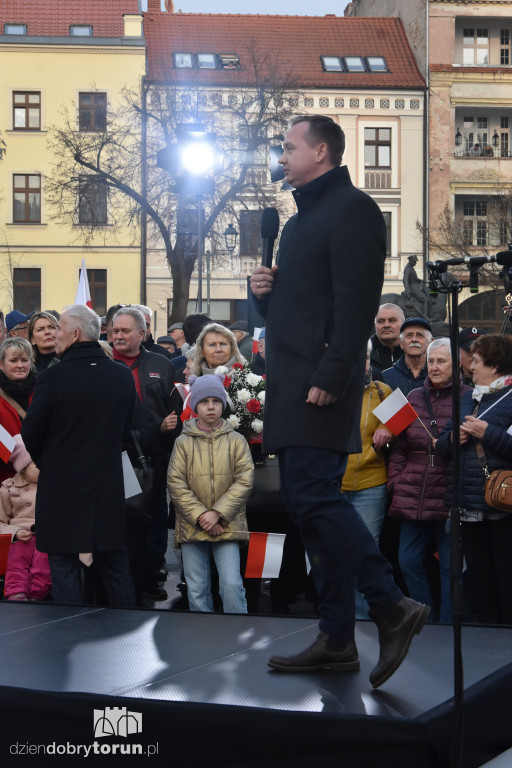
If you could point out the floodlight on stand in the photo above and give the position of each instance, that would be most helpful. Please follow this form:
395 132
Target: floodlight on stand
197 158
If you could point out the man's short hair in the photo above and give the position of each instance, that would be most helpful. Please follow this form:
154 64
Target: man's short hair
140 320
86 321
394 307
324 129
145 310
192 326
111 311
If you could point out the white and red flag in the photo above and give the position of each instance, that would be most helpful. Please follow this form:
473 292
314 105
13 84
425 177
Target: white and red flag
83 294
7 443
265 555
255 338
395 412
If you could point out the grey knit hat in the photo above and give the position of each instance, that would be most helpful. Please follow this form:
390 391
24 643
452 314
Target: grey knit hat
202 387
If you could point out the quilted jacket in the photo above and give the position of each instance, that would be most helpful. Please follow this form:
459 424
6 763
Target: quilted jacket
210 470
417 475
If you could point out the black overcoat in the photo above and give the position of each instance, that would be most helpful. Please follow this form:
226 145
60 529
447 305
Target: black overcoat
74 429
320 314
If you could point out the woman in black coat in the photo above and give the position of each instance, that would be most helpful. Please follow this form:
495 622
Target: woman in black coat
486 416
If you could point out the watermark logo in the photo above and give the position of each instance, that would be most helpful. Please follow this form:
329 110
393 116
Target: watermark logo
116 721
111 721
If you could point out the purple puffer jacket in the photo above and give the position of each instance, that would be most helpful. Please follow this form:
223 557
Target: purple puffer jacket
417 477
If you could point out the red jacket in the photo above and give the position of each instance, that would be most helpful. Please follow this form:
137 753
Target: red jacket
11 422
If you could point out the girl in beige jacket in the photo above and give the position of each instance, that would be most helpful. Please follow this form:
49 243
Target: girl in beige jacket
210 477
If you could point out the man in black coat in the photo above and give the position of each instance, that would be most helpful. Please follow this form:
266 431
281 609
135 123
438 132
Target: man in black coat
74 429
154 378
320 301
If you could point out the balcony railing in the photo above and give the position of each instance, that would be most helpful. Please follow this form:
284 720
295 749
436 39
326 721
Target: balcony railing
377 179
484 153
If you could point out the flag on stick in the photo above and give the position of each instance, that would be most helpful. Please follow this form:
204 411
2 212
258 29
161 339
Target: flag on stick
255 339
7 443
395 412
265 555
83 294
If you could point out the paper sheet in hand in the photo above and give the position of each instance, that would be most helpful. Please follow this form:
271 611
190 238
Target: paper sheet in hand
131 484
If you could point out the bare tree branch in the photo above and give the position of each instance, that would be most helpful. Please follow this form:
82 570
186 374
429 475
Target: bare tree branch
246 118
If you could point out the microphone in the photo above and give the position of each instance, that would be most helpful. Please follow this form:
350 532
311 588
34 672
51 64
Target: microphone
503 257
269 232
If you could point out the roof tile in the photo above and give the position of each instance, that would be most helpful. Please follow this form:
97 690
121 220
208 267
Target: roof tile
296 41
54 17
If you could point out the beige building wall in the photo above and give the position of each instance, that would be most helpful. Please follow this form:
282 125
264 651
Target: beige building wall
59 72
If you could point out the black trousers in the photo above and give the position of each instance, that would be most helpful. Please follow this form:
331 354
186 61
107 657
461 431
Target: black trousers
488 552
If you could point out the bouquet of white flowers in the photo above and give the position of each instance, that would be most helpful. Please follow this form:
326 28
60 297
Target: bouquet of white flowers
246 399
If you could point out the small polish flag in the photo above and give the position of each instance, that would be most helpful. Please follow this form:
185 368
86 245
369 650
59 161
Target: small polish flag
7 443
255 337
265 555
396 412
83 294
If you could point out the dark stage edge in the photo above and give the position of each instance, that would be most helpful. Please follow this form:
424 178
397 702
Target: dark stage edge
207 697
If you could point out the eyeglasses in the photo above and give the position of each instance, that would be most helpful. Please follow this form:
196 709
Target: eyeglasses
20 328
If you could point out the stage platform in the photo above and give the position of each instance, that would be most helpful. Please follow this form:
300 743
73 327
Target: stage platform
203 695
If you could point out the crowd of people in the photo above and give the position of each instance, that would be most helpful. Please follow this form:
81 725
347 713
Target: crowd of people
398 484
372 507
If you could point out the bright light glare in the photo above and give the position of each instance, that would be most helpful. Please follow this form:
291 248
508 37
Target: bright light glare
198 157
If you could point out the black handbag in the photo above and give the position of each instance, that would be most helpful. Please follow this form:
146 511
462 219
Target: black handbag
267 480
142 505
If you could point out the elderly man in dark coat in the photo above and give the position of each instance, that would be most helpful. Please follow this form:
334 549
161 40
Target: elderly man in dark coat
73 430
320 302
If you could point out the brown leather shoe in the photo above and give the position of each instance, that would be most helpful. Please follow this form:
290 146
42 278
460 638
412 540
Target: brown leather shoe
397 626
319 656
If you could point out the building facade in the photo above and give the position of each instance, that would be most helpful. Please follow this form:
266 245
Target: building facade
57 57
467 48
363 74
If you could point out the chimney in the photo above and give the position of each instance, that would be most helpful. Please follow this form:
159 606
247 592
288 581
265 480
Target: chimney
132 25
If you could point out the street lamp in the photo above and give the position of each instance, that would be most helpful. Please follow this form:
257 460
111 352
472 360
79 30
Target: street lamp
458 138
230 236
495 138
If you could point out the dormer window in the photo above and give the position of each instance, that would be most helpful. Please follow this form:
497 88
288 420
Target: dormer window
183 60
331 63
376 64
206 61
15 29
80 30
354 63
229 61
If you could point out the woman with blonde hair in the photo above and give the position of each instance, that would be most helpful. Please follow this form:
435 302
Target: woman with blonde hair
215 346
42 332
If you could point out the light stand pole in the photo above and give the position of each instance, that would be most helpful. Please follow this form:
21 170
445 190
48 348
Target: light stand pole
199 253
438 284
208 273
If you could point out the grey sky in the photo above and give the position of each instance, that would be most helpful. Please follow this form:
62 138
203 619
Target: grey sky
281 7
